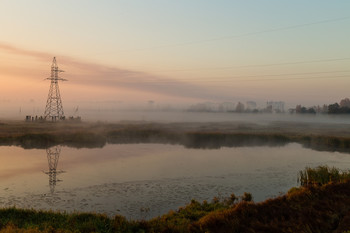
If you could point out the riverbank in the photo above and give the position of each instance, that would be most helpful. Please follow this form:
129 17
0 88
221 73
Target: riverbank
317 136
315 208
323 208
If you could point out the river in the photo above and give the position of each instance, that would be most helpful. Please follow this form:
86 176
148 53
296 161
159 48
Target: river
141 181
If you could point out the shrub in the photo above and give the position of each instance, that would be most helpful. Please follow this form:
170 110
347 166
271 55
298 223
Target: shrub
247 197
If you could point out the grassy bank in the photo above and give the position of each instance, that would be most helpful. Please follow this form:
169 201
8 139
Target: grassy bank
313 207
191 135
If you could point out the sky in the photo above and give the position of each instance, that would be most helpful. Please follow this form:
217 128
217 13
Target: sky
125 52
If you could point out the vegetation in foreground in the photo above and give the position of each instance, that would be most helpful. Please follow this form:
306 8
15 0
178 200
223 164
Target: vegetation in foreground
320 204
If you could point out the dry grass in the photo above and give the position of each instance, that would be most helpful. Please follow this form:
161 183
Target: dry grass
313 209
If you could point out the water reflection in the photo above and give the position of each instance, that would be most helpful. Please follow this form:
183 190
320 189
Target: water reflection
53 155
146 180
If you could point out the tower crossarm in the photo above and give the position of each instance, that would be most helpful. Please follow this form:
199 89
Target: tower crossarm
56 172
58 79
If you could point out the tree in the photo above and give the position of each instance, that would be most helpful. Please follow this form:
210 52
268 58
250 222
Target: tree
240 107
268 109
345 103
325 108
303 110
311 110
333 108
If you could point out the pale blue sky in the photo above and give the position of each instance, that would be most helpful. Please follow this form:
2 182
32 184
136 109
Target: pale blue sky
194 41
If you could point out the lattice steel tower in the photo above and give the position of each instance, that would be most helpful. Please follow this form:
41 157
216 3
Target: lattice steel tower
53 154
54 108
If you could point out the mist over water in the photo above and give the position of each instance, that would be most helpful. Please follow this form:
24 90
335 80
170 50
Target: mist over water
125 178
93 115
184 116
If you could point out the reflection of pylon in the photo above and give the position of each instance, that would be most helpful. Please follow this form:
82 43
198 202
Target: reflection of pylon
53 154
54 108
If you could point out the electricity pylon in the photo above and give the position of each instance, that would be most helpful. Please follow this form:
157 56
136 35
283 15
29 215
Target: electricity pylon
53 154
54 108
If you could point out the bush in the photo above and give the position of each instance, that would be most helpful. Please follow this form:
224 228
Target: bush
247 197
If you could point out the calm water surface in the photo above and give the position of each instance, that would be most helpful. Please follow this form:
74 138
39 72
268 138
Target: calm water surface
147 180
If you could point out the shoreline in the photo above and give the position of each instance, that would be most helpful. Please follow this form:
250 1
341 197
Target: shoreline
322 208
330 201
36 135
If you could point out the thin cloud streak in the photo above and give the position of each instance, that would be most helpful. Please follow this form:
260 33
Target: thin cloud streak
92 74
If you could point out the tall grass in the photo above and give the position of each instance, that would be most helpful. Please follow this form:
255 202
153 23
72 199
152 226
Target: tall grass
321 175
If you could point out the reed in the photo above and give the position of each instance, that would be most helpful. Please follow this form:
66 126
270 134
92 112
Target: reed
321 175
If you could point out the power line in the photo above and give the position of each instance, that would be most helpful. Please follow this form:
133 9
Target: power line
262 65
301 78
240 35
238 79
270 79
250 66
232 78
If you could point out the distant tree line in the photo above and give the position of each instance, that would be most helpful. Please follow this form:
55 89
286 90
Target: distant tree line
338 109
249 107
302 110
342 108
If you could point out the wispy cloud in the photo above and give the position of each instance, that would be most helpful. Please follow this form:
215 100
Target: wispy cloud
15 50
88 73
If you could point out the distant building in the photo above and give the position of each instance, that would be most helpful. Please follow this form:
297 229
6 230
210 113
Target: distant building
213 107
275 106
291 110
251 105
227 107
240 107
203 107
